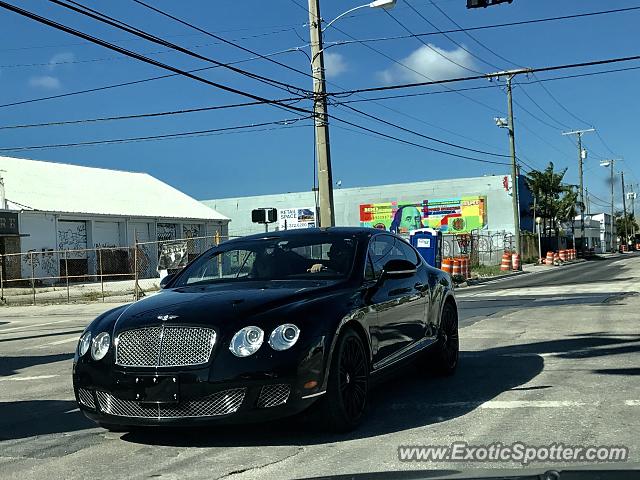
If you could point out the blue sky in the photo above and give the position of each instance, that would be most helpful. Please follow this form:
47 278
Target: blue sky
37 61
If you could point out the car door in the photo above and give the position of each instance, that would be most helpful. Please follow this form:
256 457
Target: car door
398 301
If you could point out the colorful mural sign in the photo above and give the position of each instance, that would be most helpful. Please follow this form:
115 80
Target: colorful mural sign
451 215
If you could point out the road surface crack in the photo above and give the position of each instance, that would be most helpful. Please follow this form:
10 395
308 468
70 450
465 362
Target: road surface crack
257 467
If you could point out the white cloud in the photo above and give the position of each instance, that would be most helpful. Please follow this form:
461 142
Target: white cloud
44 81
334 64
60 58
425 61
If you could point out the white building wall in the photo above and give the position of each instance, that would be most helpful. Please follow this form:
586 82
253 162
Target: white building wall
347 201
47 233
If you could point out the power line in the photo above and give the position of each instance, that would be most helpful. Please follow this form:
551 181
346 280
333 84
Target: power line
101 17
133 82
459 45
400 127
433 49
558 125
483 27
466 32
407 142
282 29
217 37
489 75
153 137
388 57
141 115
118 57
142 58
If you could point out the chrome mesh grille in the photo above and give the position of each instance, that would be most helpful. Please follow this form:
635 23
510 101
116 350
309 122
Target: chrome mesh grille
164 346
221 403
85 397
272 395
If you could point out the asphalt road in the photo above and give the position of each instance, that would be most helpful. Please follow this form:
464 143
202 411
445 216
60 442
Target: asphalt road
546 357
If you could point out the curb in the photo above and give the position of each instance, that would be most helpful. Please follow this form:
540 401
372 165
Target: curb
480 281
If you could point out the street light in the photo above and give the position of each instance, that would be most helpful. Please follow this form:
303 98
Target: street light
609 163
321 119
386 4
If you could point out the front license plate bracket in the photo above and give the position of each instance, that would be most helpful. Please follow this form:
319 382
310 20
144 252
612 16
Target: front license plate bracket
157 389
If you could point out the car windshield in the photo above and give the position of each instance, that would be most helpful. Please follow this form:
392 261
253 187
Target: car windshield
302 257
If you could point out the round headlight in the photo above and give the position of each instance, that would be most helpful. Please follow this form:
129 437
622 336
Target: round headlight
100 346
246 341
84 343
283 337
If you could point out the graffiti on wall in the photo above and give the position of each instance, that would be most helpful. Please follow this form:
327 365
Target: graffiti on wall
166 231
72 235
44 262
451 215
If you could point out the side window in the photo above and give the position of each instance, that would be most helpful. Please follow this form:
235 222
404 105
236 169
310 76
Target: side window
408 253
381 250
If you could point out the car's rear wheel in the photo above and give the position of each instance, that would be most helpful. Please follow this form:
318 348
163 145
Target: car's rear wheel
445 357
345 402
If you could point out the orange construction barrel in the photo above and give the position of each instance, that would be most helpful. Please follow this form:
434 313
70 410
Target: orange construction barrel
447 265
549 260
515 261
505 265
456 267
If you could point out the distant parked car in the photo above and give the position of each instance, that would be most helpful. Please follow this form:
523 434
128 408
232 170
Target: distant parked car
266 326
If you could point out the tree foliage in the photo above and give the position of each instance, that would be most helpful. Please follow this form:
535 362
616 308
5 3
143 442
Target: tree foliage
555 202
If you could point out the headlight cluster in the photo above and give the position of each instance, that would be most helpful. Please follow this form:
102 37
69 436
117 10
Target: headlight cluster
248 340
99 345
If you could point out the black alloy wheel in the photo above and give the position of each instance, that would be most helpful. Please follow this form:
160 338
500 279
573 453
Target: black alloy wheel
345 402
353 377
446 356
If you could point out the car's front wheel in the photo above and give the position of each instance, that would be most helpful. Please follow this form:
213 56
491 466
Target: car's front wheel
345 402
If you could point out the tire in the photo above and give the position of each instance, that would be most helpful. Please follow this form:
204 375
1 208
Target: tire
444 360
344 405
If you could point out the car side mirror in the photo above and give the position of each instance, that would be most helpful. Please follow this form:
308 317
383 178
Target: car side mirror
398 268
166 279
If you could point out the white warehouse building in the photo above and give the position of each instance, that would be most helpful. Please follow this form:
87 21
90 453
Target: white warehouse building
47 208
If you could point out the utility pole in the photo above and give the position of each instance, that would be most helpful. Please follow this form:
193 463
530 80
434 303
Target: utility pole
613 213
509 124
579 134
624 212
321 119
514 168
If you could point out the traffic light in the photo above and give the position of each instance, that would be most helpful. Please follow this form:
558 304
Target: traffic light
484 3
264 215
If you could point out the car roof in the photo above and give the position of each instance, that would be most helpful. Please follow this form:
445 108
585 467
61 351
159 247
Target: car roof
358 232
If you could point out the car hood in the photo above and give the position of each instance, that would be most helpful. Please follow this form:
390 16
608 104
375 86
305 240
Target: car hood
218 305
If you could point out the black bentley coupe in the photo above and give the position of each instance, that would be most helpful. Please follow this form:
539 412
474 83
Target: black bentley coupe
266 326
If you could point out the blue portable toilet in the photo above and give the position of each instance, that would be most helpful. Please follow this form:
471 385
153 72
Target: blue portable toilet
428 242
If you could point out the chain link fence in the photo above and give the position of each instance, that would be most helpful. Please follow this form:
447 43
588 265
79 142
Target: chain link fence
116 274
486 247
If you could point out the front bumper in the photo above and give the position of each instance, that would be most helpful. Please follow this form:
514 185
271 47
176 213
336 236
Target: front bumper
248 392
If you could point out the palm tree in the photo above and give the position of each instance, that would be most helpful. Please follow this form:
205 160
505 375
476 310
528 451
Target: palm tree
553 198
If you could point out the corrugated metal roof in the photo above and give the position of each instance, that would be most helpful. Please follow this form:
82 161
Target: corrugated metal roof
60 187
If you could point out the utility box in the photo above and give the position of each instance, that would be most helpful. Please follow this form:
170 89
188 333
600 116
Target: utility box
428 242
